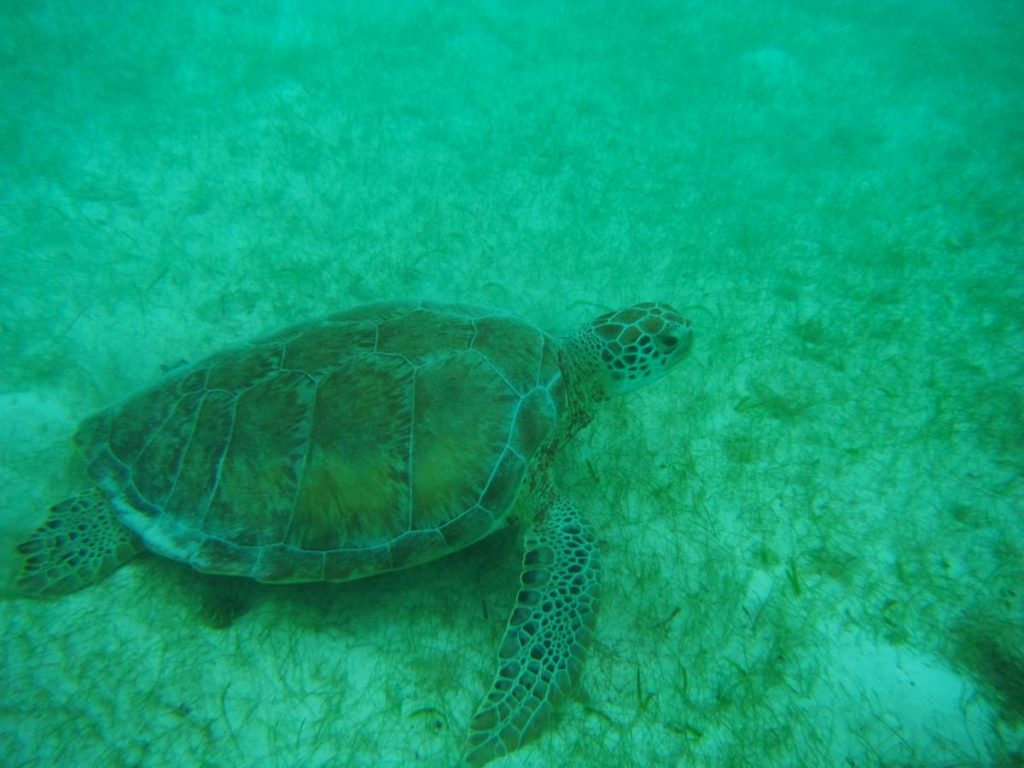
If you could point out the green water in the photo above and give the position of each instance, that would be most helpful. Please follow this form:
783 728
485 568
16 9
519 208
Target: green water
811 532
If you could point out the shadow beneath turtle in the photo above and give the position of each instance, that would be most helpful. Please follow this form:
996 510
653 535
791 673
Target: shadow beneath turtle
222 600
486 570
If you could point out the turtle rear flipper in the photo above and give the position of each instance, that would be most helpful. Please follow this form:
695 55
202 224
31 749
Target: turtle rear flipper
541 653
79 543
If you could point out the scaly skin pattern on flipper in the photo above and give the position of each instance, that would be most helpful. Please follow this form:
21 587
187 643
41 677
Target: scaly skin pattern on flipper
79 543
544 645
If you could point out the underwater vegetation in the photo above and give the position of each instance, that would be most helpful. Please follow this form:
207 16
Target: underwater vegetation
991 651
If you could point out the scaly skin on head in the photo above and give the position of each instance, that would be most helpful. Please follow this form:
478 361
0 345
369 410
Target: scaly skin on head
623 350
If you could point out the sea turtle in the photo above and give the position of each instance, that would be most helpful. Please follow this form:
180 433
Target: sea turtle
373 439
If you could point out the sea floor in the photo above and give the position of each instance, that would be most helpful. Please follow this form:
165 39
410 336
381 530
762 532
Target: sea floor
811 532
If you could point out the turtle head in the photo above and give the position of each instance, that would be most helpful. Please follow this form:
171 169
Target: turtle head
623 350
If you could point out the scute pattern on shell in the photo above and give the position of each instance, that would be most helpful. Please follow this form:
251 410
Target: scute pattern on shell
366 441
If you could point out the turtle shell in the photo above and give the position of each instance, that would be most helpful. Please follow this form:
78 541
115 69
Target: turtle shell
370 440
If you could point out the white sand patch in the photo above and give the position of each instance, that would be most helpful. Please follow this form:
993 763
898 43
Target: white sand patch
906 701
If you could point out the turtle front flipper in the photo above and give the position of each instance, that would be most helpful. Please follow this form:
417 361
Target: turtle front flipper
79 543
542 651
